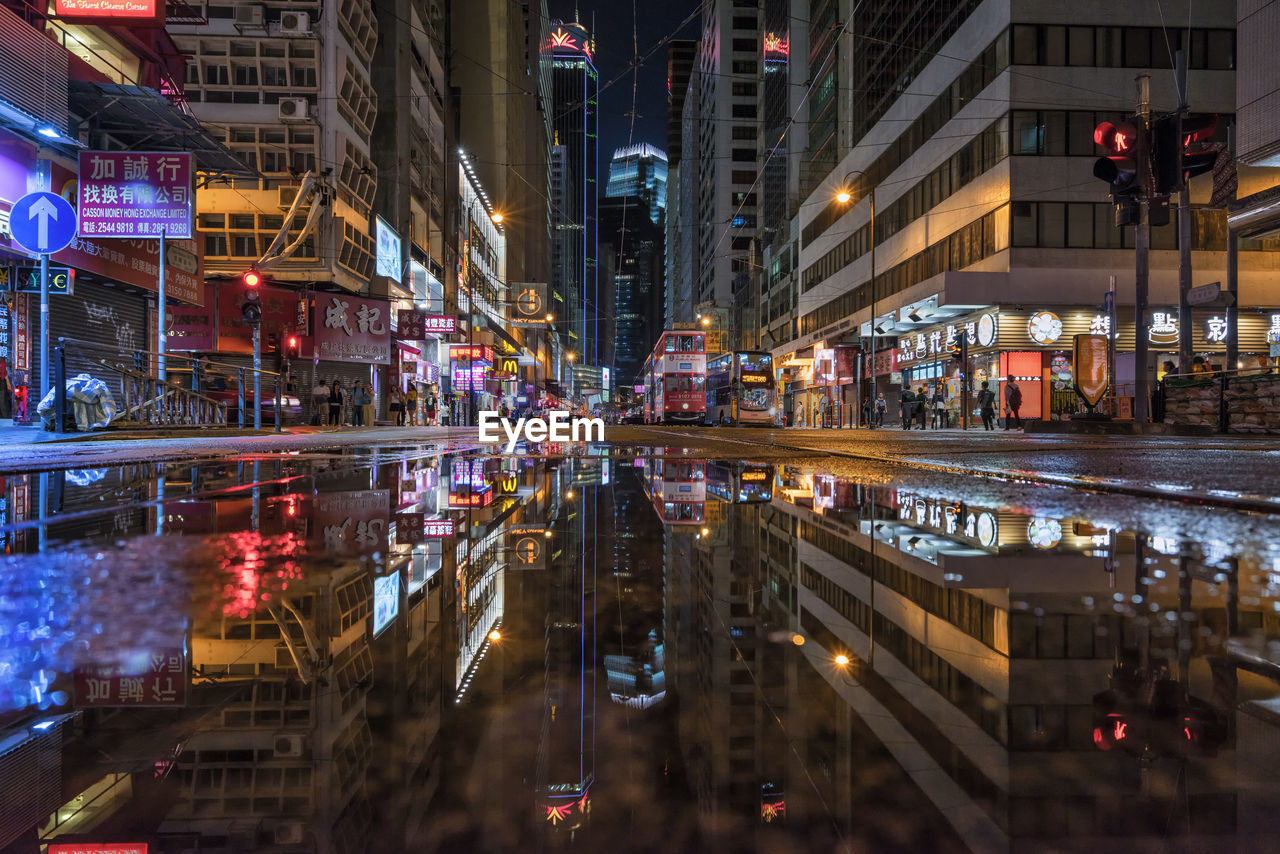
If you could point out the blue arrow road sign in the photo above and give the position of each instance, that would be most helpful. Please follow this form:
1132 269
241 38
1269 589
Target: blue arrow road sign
42 223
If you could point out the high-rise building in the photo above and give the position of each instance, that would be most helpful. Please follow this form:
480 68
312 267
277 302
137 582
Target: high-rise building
728 153
683 192
640 171
681 55
988 222
575 84
632 254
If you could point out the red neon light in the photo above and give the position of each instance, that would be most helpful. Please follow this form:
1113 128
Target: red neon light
1121 730
557 814
1099 741
771 812
776 46
1122 141
562 39
131 9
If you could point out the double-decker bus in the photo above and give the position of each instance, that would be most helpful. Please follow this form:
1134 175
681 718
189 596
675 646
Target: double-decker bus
740 482
675 377
740 389
678 489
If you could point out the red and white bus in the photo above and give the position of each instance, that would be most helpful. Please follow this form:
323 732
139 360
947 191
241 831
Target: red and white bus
675 379
677 488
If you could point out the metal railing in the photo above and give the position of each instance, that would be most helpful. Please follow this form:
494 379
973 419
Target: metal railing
144 399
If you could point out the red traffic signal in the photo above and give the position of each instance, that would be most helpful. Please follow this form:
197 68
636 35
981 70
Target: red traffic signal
1180 152
1121 169
252 278
293 342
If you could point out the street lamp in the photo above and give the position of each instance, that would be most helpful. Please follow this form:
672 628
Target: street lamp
844 195
497 218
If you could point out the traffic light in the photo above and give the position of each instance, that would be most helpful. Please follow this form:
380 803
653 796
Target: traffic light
957 351
293 345
251 308
273 342
1181 152
1123 169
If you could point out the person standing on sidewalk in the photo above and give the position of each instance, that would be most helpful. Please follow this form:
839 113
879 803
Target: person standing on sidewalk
319 402
411 403
987 403
908 406
359 400
824 411
395 405
939 402
882 406
1013 400
922 406
335 404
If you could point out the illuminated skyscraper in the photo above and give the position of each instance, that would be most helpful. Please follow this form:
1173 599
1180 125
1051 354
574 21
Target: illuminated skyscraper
640 171
574 282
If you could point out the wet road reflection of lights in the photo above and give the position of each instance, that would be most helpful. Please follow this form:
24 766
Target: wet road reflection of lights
851 662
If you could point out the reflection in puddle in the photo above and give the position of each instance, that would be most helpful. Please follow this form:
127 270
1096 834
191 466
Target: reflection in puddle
392 651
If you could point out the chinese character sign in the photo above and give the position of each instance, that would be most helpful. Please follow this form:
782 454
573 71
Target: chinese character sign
413 325
135 194
155 678
531 306
352 329
1215 329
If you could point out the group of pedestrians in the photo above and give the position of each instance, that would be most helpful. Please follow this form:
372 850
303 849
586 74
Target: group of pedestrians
329 403
919 407
1012 401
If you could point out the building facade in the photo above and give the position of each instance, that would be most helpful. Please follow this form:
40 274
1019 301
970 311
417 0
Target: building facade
640 171
976 151
575 84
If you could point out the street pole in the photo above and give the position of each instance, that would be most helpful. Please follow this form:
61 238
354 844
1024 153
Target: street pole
1113 333
1184 227
1233 298
1142 241
44 328
873 297
257 376
164 315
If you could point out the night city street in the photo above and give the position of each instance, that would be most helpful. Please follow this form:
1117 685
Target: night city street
666 427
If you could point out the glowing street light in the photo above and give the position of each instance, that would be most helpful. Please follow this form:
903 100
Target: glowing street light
843 196
495 635
842 660
497 217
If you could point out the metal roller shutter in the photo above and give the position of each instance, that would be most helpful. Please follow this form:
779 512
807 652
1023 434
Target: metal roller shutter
106 316
347 373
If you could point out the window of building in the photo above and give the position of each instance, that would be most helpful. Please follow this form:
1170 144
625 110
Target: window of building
744 66
745 45
744 89
744 111
744 132
744 154
744 22
739 176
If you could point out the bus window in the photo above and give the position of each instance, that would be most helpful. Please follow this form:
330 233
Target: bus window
698 382
698 345
670 344
671 382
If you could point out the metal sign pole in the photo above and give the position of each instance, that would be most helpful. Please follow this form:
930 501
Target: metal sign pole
257 377
164 316
44 326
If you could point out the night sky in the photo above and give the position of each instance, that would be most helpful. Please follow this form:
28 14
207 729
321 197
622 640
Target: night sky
614 49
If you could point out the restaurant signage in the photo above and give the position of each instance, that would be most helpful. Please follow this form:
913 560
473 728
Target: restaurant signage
156 678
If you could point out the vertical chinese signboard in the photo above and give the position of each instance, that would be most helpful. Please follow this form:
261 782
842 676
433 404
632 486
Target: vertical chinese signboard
21 333
352 329
135 194
158 678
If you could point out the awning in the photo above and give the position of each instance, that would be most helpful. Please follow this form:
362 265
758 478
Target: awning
408 349
142 119
503 334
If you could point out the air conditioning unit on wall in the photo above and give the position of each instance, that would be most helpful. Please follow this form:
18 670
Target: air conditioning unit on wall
288 746
293 110
249 16
295 24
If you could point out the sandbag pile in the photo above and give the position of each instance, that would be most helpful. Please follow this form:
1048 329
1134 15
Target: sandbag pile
1253 404
1191 403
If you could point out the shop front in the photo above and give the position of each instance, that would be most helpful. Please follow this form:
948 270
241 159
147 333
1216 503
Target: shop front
1033 347
422 362
352 345
471 368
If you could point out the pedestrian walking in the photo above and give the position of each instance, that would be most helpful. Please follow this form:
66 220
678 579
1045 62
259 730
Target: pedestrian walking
882 406
987 403
395 405
430 407
907 406
939 408
824 411
6 393
335 404
922 406
1013 402
319 402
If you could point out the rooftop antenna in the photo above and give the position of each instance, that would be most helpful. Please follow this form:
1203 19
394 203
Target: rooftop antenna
575 12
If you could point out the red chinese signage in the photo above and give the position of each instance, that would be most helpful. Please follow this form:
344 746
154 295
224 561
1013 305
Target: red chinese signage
158 678
351 328
21 333
414 325
467 352
189 328
97 848
471 499
352 523
409 528
130 10
279 308
886 362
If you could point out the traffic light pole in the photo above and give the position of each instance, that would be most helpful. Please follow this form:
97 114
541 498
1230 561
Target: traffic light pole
1184 227
1142 243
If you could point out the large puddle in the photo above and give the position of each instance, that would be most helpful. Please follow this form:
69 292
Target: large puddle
628 649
